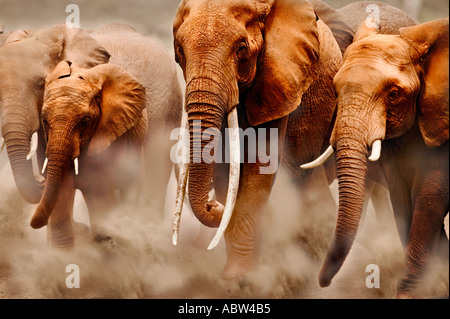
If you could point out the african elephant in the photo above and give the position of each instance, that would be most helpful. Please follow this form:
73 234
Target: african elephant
5 38
344 23
253 63
26 59
100 123
393 92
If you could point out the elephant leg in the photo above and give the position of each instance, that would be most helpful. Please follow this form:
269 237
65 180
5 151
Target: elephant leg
158 168
242 234
370 184
399 184
443 245
60 225
431 196
381 203
317 212
99 201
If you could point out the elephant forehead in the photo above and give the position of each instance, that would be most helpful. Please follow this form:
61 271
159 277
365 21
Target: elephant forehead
71 85
389 48
370 76
227 8
68 91
207 21
369 63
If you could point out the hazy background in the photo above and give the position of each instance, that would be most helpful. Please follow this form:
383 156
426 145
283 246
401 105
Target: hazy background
153 17
139 260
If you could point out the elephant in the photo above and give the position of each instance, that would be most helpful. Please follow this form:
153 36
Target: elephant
100 123
393 97
344 23
249 65
26 59
6 38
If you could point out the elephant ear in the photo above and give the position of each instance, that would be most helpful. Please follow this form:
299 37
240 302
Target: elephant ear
288 62
121 99
83 50
332 18
62 70
364 30
431 40
75 45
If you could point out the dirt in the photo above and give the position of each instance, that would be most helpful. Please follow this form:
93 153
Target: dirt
137 259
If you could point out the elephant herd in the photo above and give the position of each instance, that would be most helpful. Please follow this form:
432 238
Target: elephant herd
97 107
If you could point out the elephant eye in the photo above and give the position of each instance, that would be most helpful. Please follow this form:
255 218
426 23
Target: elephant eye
242 49
179 56
180 51
46 127
393 95
45 124
85 121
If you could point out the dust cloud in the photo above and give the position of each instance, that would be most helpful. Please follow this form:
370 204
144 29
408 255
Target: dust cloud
136 259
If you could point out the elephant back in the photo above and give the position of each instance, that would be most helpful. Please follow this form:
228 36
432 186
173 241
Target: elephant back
391 18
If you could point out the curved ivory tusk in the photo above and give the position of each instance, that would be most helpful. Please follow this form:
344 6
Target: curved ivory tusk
45 165
322 159
376 151
233 184
34 145
181 186
75 164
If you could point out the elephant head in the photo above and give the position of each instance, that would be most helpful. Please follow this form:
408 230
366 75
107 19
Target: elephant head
26 59
260 55
84 111
387 85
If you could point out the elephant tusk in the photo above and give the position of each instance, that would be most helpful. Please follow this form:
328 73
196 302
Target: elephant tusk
45 165
319 161
2 144
75 164
34 145
233 184
181 187
376 151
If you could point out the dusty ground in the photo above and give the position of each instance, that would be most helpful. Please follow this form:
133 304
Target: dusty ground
139 260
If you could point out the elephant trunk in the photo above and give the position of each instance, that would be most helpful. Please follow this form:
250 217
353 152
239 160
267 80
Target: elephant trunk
352 150
205 116
17 129
59 153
